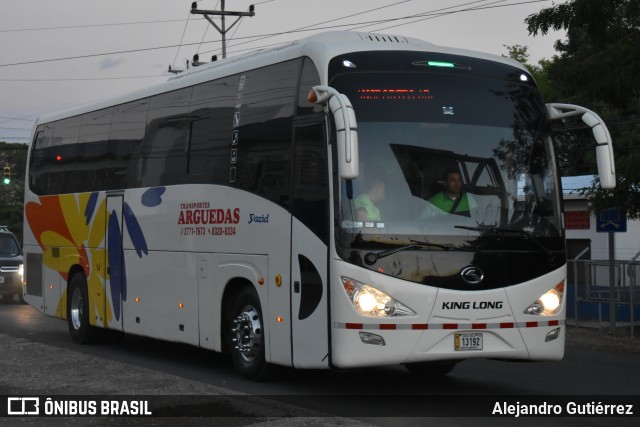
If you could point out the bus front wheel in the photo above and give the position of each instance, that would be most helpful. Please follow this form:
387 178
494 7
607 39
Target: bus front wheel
246 336
80 329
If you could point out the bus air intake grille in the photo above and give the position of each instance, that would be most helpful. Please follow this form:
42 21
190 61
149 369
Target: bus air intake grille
379 38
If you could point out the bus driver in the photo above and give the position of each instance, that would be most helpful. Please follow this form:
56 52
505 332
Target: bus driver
451 199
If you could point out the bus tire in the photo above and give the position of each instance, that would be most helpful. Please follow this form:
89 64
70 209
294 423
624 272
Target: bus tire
431 369
245 336
80 329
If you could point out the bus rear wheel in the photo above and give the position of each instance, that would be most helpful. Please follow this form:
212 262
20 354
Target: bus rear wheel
80 329
246 336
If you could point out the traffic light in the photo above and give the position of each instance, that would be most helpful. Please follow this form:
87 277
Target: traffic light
7 175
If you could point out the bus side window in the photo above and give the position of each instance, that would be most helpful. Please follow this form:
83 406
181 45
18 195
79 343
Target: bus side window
93 143
163 157
265 132
125 138
212 111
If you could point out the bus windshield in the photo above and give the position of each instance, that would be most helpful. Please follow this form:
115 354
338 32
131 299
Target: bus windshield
448 161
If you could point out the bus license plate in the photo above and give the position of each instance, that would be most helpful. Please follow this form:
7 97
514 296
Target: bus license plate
468 341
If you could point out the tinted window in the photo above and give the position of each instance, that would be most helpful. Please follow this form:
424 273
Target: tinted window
308 79
65 148
40 159
236 130
55 157
94 137
162 159
8 245
212 109
268 96
310 180
125 138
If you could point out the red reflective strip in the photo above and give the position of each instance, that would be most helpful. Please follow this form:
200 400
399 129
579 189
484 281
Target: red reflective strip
450 326
531 324
387 326
420 326
553 323
479 326
506 325
354 326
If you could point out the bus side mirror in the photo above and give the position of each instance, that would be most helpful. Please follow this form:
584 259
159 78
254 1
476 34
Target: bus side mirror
604 149
346 128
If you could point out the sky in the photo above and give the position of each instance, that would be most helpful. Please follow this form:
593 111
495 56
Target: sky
62 53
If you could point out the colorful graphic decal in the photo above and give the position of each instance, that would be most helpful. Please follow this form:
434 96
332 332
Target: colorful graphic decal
75 226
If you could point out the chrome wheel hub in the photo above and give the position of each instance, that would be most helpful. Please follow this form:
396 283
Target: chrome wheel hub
247 333
76 309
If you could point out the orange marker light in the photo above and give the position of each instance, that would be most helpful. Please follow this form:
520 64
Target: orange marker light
180 306
312 97
137 299
261 281
279 319
278 280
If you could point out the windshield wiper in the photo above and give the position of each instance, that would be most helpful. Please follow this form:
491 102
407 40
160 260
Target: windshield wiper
500 230
371 257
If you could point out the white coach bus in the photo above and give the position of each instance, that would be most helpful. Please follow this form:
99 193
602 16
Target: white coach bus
240 207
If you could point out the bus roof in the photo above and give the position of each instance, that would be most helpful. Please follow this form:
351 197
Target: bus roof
321 48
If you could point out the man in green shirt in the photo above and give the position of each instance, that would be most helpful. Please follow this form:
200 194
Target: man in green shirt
366 209
451 199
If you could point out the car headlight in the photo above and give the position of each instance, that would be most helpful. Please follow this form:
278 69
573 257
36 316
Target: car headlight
369 301
21 270
549 303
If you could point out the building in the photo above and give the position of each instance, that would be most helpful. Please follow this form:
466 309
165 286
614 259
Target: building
581 227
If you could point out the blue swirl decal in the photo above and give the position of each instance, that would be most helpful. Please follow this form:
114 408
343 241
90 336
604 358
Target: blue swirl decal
153 197
91 206
135 231
116 264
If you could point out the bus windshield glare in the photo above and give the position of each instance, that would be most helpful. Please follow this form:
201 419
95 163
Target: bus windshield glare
448 162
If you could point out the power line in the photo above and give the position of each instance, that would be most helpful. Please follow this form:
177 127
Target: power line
443 13
9 128
423 16
16 118
68 27
380 21
83 79
182 38
310 27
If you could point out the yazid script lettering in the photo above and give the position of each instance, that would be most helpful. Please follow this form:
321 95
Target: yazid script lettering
202 213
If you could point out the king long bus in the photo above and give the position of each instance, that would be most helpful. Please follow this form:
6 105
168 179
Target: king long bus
221 209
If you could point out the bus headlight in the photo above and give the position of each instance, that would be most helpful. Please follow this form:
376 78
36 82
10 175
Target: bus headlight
549 303
369 301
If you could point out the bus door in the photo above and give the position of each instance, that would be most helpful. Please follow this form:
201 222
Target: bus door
309 250
115 285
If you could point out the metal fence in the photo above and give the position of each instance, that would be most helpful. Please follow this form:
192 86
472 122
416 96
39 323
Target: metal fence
589 294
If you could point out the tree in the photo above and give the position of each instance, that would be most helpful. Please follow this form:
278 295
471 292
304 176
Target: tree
12 195
598 66
540 72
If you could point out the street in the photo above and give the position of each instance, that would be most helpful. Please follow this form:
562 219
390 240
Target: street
151 367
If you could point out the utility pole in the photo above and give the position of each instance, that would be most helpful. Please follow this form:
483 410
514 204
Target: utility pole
222 13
